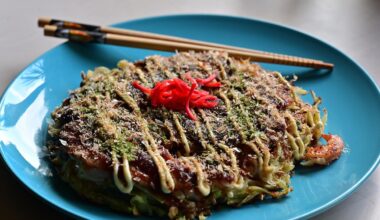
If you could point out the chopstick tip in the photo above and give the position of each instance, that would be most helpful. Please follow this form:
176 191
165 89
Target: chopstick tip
328 65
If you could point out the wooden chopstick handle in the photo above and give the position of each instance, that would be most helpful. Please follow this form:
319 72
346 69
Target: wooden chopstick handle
98 37
75 35
87 27
43 21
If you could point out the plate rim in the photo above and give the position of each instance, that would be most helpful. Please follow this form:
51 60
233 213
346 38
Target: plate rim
308 214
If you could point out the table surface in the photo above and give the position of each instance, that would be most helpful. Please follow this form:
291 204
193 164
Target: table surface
353 26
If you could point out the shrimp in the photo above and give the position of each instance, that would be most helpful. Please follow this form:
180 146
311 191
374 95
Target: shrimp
324 154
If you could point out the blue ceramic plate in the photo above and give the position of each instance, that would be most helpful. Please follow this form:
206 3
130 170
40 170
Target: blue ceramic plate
349 94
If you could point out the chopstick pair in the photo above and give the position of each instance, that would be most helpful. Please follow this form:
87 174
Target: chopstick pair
106 35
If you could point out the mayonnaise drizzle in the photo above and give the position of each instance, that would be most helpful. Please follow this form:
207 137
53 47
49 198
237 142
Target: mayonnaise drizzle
166 179
126 173
182 134
202 183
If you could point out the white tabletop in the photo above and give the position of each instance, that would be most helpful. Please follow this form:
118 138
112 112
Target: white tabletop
353 26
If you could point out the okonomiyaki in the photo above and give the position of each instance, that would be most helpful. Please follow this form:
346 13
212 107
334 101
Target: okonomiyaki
183 135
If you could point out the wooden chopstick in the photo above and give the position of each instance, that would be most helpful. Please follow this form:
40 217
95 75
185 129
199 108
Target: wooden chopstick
42 21
165 45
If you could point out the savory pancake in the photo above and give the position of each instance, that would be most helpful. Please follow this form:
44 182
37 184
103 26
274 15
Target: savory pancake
117 145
